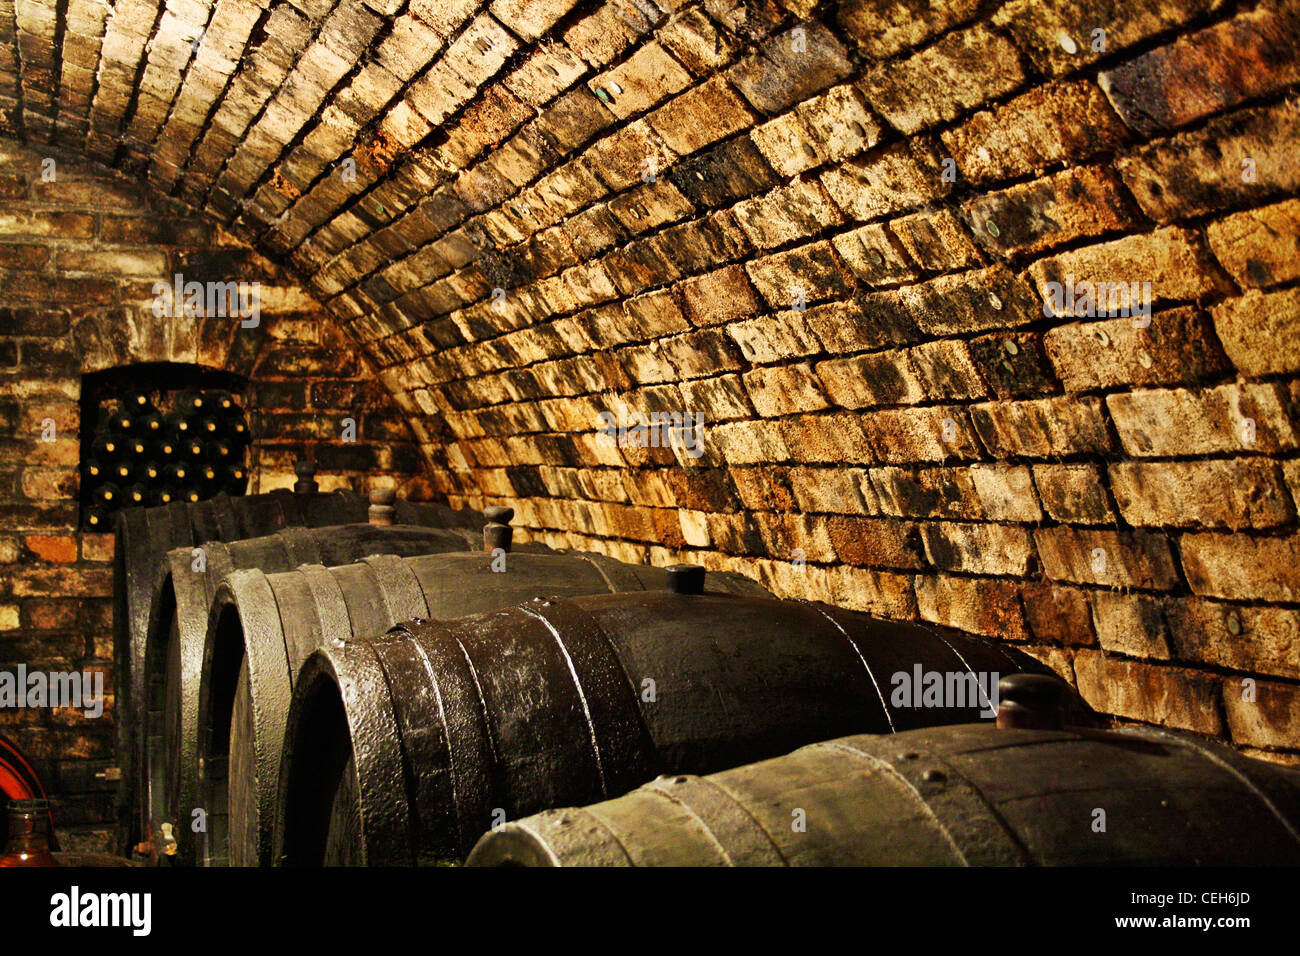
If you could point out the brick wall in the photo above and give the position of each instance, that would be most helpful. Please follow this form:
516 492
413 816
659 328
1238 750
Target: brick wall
829 227
78 259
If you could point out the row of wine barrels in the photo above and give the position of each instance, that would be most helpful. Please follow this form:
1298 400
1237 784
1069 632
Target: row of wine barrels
145 535
953 796
262 626
405 748
178 623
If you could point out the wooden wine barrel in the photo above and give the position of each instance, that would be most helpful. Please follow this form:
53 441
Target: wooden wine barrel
953 796
145 535
178 623
405 748
262 627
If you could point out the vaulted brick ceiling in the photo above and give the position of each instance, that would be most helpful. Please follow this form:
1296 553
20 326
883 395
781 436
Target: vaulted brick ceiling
829 226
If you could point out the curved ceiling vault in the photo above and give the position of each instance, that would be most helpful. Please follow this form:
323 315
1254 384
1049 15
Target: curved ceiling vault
833 226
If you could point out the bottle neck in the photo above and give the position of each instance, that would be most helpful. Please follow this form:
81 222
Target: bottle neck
29 832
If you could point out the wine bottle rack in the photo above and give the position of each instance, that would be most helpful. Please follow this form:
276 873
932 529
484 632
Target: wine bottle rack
154 446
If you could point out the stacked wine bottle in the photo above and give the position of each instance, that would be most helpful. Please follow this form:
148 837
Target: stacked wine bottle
153 448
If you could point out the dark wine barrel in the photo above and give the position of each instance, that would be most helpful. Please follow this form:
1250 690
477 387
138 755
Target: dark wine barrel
145 535
404 749
178 622
953 796
271 623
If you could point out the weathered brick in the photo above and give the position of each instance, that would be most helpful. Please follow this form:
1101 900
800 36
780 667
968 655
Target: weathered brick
701 116
748 443
970 302
1235 494
1177 347
936 240
1241 568
883 28
1013 364
875 542
1073 493
1131 624
978 548
1202 73
791 67
905 435
887 180
1258 330
977 605
845 327
783 390
835 438
945 370
1128 559
1258 246
719 297
874 256
1229 418
1060 36
1049 212
809 273
837 491
1170 696
1068 121
1260 640
1235 159
1058 614
646 78
884 378
1043 428
1174 262
777 337
964 69
1269 716
786 214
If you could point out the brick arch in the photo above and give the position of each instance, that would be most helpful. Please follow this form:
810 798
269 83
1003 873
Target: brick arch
831 225
112 338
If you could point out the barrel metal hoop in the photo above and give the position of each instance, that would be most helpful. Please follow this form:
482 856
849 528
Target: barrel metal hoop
219 563
378 751
973 825
1262 786
617 575
593 844
857 652
398 586
463 711
718 806
300 545
331 605
621 742
268 684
